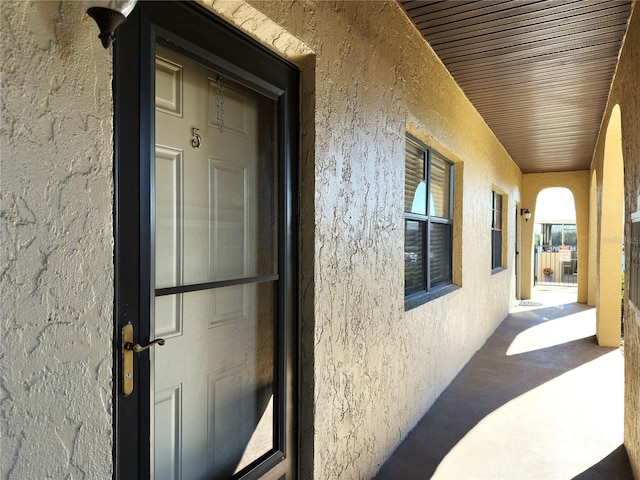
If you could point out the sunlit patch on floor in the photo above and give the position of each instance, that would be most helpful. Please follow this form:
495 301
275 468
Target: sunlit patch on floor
543 433
554 332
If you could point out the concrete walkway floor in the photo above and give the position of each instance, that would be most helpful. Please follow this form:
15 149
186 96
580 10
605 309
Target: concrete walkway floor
540 401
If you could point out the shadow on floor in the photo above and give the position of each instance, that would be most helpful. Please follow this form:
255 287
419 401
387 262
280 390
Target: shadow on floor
490 380
615 465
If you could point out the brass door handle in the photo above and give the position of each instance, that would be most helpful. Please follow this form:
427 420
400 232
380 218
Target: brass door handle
141 348
128 347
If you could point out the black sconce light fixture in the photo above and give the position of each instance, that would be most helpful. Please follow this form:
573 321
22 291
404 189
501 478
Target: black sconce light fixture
525 213
109 14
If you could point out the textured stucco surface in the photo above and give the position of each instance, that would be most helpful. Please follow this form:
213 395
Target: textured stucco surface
593 240
609 205
626 95
57 266
370 370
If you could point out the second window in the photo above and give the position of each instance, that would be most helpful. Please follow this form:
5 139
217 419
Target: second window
496 230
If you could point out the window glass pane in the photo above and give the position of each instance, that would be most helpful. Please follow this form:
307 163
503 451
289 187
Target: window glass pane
440 186
570 235
413 257
496 248
415 189
497 210
556 235
440 254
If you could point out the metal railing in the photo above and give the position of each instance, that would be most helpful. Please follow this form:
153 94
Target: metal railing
550 270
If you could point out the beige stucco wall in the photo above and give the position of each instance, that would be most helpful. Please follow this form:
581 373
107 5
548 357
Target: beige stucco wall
369 369
57 265
625 94
593 240
578 184
608 200
375 369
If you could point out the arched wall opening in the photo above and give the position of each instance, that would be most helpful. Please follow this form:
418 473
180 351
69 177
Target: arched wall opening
611 221
555 243
578 183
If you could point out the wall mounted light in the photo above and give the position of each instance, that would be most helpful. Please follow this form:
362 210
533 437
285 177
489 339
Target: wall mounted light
525 213
109 14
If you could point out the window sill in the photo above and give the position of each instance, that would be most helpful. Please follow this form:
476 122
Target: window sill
498 270
420 298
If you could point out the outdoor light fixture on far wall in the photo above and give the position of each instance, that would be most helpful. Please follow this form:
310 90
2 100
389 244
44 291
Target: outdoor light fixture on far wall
109 14
525 213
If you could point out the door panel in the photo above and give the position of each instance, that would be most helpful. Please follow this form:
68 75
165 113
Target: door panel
168 445
214 376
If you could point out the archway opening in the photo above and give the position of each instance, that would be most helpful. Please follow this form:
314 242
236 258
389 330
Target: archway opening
555 265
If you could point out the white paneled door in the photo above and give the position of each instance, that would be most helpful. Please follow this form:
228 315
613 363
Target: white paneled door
214 212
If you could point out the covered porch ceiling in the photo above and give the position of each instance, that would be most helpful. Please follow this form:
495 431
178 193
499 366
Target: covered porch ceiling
538 71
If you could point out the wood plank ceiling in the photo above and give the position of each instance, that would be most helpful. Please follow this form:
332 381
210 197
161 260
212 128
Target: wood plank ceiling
538 71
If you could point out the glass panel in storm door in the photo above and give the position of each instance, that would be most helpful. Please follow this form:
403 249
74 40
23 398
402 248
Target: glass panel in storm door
224 202
215 218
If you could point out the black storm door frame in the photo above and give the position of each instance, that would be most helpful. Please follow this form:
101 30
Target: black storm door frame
192 31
